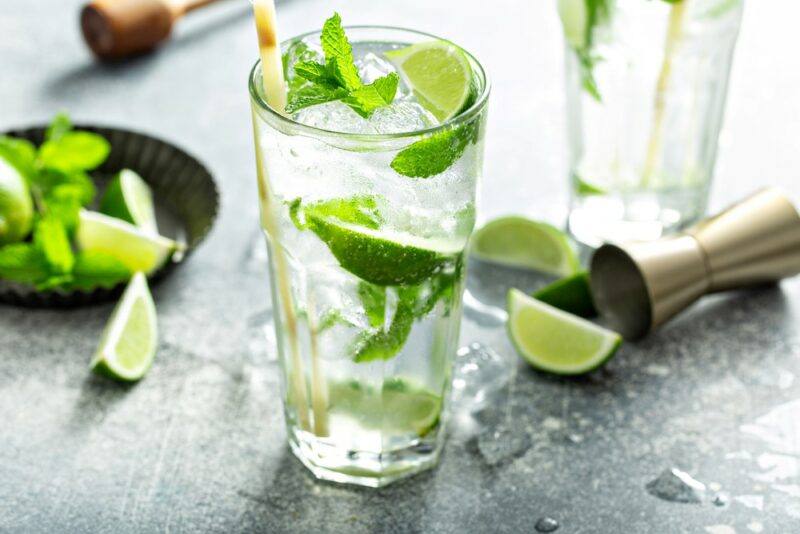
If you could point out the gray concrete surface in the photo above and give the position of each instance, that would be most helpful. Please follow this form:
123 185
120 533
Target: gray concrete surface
198 446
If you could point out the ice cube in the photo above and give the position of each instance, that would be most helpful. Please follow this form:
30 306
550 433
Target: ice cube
402 116
479 373
335 116
371 67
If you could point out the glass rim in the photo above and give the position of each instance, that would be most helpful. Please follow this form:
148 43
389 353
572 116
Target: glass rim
459 119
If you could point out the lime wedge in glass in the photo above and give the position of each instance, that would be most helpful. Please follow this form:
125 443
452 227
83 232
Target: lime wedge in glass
555 341
571 294
400 406
439 73
383 257
130 338
574 18
129 198
137 249
521 242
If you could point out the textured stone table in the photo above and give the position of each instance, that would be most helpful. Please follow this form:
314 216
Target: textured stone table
198 446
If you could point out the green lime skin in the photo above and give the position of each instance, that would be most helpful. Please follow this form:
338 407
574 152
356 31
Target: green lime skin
571 294
16 205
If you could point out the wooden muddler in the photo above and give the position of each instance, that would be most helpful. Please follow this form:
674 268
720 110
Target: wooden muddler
116 29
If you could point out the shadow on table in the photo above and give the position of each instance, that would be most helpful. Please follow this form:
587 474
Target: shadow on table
291 495
97 397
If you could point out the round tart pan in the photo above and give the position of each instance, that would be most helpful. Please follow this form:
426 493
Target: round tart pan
184 193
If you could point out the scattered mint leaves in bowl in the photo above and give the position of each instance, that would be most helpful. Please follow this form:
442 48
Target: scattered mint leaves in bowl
106 203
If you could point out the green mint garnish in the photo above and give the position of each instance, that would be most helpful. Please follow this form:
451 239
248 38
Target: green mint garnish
373 298
385 344
60 186
437 153
337 78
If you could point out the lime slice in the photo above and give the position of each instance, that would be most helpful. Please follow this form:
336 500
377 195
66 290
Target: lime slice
400 406
130 338
439 74
521 242
129 198
574 19
137 249
571 294
16 206
555 341
383 257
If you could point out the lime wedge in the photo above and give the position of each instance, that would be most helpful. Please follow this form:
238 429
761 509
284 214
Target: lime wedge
130 338
439 73
400 406
383 257
555 341
137 249
129 198
521 242
571 294
574 19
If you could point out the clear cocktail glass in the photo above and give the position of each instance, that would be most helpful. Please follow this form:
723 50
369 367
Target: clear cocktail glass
367 264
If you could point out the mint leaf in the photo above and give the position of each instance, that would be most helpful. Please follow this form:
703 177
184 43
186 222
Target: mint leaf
435 154
23 263
339 53
63 203
373 298
370 97
49 179
297 52
50 237
312 95
315 72
74 151
98 269
58 127
20 153
385 344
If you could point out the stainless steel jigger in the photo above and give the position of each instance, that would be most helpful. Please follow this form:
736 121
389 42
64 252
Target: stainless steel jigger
638 286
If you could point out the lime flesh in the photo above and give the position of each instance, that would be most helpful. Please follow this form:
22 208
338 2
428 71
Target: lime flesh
555 341
137 249
574 19
130 338
521 242
16 205
439 74
128 197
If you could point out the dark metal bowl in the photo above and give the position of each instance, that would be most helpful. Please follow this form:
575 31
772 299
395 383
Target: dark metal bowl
184 193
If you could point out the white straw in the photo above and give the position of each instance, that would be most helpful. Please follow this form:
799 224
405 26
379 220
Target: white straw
271 64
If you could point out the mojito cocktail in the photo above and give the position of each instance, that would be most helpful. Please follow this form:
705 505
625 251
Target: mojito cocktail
646 87
367 188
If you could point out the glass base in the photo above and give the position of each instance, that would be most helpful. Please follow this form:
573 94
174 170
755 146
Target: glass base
365 468
641 216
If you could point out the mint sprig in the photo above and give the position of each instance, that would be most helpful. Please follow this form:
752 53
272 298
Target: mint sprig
337 78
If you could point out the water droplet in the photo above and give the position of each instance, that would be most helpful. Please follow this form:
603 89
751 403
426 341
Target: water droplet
546 524
676 486
503 444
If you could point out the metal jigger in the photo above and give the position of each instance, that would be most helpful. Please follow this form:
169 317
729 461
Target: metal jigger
638 286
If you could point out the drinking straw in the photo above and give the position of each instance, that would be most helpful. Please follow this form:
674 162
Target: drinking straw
674 35
271 63
275 94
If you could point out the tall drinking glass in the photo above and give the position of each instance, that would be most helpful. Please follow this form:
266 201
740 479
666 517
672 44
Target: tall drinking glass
367 264
646 87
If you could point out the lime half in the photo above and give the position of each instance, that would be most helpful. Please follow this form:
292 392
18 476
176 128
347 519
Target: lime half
439 74
16 206
555 341
130 338
129 198
137 249
383 257
400 406
521 242
571 294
